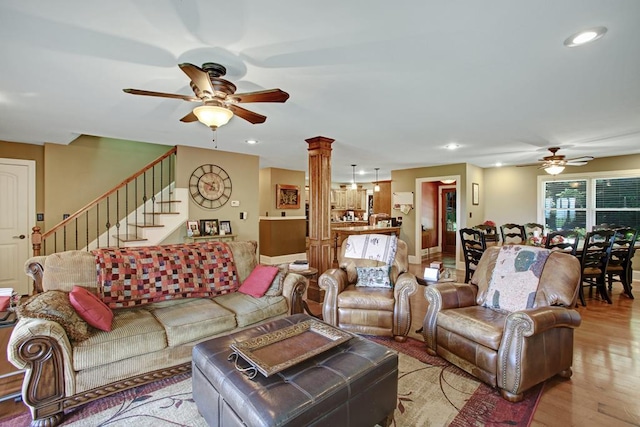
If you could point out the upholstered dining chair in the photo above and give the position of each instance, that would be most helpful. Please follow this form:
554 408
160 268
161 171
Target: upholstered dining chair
622 251
374 218
513 234
473 246
511 328
563 240
368 296
594 259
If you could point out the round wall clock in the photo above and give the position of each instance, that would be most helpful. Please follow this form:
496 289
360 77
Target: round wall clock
210 186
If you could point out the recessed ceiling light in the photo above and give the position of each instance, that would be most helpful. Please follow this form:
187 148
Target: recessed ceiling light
586 36
498 164
252 141
452 146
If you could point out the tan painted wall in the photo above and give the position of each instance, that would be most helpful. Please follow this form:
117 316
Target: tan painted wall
243 170
269 178
77 173
405 180
512 191
15 150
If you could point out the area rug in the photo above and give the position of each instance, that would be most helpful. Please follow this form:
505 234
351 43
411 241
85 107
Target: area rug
431 392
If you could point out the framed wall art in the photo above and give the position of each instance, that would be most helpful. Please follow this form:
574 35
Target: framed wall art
475 193
287 196
209 227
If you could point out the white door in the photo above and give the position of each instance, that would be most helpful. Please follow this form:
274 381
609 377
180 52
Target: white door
17 216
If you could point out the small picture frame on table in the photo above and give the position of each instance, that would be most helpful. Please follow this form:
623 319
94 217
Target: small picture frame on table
209 227
225 227
193 228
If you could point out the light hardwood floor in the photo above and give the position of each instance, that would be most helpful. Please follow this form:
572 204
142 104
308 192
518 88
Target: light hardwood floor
606 365
603 390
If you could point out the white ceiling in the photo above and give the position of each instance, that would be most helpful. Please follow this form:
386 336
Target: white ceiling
391 82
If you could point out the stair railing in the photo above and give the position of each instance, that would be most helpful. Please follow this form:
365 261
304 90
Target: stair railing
151 189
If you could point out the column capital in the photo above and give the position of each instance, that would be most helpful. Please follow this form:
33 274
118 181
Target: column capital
319 142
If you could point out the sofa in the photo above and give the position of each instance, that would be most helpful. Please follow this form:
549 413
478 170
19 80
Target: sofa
161 306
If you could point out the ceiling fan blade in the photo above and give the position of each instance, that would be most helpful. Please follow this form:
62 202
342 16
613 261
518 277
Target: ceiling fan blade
162 95
198 76
249 116
189 118
269 95
578 163
583 159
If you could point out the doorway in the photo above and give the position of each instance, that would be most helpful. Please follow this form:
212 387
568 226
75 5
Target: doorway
17 214
448 215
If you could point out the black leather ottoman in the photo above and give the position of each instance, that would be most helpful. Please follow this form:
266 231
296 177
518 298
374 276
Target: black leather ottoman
353 384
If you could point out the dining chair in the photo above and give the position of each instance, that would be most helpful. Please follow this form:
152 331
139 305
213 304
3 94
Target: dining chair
563 240
531 227
513 234
473 246
594 259
620 260
490 233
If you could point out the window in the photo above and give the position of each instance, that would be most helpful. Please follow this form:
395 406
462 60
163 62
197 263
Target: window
579 204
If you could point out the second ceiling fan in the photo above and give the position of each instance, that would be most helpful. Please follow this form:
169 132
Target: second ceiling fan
217 95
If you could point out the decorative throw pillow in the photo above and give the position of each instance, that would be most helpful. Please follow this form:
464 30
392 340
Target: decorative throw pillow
55 306
277 284
374 277
515 278
91 308
259 280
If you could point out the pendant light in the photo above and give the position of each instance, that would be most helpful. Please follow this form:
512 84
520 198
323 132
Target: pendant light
354 186
376 187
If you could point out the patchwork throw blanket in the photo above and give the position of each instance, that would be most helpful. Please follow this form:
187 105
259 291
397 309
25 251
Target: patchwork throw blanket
130 277
379 247
515 278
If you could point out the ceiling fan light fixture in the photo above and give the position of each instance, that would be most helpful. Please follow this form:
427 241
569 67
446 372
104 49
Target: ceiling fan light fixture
584 37
554 169
212 115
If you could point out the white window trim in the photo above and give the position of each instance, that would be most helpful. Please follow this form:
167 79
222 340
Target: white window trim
591 178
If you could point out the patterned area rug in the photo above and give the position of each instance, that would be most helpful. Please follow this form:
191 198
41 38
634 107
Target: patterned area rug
431 392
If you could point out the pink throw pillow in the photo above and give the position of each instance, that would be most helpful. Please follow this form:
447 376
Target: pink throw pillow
91 308
259 280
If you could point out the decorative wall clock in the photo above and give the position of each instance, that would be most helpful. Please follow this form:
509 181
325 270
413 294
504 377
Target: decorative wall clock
210 186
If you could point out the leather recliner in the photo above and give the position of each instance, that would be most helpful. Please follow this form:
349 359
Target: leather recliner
511 351
364 310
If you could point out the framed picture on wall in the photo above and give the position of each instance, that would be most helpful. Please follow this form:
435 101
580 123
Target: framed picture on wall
225 227
475 193
209 227
287 196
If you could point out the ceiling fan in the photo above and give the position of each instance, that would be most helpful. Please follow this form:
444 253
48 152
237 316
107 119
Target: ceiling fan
555 163
217 95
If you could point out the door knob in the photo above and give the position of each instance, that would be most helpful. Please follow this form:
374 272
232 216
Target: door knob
22 236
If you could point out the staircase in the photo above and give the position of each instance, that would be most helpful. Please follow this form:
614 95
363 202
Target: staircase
141 211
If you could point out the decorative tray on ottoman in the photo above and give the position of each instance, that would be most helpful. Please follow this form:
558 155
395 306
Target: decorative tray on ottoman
275 351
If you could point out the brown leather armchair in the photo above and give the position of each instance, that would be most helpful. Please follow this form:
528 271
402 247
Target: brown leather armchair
364 310
511 351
